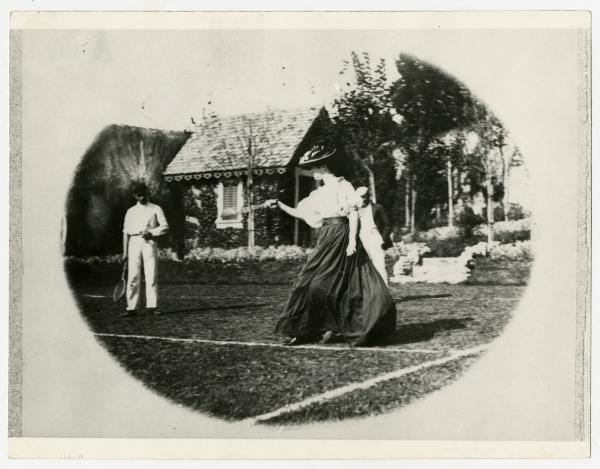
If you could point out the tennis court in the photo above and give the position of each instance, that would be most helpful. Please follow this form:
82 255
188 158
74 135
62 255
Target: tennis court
213 350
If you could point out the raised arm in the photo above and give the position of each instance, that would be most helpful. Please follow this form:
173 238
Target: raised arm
306 210
289 210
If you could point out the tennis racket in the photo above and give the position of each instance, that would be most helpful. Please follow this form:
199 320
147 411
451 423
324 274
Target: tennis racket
121 287
272 203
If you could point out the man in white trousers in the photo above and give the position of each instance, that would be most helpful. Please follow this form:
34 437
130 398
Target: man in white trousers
372 218
143 223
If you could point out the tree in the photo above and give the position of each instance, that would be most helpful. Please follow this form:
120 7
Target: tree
450 145
511 157
363 120
486 141
400 159
254 135
249 139
430 104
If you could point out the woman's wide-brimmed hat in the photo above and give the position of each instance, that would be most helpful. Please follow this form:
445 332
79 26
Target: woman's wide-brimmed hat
316 155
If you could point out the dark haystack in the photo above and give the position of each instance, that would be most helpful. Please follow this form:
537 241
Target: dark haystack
100 195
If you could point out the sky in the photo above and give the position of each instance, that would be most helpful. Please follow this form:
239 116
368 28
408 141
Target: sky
164 79
76 82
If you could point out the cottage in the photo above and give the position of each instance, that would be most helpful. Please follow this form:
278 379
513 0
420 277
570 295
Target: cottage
229 161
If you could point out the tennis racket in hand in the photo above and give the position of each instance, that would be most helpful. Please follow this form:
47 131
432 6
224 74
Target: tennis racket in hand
271 203
121 287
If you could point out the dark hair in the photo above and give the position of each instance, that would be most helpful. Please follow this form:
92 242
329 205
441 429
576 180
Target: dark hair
139 188
337 167
334 164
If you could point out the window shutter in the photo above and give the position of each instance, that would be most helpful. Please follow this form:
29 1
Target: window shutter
230 202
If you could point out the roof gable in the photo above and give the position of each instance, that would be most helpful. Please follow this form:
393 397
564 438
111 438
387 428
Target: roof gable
221 144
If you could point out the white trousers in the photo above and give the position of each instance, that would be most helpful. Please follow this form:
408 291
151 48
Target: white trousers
372 243
140 251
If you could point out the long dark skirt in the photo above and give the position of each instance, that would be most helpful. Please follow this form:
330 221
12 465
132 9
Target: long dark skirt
339 293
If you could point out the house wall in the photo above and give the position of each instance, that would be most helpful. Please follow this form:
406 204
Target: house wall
272 226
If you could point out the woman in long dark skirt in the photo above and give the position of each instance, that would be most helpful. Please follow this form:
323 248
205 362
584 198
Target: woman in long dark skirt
338 291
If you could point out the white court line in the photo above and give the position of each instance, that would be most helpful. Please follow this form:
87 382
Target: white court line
267 344
396 300
459 298
201 297
362 385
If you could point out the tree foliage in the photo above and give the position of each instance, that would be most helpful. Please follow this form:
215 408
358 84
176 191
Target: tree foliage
362 118
430 102
426 116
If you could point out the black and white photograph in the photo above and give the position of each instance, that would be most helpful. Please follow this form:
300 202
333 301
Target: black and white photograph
301 225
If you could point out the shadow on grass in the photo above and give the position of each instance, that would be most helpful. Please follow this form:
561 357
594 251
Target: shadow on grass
420 297
422 332
212 308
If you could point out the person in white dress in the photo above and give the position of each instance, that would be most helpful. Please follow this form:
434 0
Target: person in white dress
144 222
369 234
338 292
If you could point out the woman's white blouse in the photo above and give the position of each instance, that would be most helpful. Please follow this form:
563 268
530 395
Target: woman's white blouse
330 200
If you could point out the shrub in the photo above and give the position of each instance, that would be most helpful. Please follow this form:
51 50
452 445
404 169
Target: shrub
411 250
167 254
520 250
408 237
467 220
450 247
207 254
440 233
512 237
284 253
516 212
444 241
94 260
477 250
510 226
506 231
405 256
498 213
240 255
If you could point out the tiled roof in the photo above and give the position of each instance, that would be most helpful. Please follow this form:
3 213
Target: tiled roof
220 144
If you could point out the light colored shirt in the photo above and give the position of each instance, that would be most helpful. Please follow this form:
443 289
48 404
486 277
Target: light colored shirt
140 218
330 200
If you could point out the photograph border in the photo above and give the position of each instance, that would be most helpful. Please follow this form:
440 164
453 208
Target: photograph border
111 448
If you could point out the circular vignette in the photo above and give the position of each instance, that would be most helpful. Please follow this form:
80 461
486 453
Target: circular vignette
448 169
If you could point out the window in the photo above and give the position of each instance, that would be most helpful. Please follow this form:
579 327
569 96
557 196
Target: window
229 204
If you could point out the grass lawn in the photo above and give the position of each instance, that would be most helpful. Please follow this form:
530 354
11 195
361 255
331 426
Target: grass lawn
214 349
